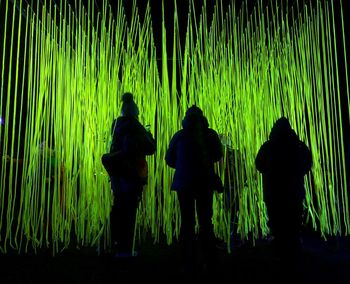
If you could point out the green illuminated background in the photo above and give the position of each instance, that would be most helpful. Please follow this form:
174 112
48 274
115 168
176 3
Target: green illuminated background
65 66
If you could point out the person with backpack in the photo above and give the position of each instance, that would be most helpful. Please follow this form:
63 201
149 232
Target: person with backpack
131 142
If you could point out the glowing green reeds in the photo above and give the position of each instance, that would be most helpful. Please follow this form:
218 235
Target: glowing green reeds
244 71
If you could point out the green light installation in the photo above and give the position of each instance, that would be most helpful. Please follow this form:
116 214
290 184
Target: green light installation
71 68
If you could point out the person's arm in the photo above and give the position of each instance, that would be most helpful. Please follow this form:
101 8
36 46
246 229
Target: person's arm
144 139
260 160
216 146
306 158
114 142
149 143
114 123
170 156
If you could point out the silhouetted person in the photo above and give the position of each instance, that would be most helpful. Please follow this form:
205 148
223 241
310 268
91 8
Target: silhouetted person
130 137
284 160
233 165
193 151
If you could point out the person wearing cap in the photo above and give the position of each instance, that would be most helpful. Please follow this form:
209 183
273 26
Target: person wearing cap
283 161
130 137
192 152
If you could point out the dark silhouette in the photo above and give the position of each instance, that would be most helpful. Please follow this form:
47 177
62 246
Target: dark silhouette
193 151
233 166
284 160
135 142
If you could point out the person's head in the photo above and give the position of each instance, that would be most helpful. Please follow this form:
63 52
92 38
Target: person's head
129 107
194 118
194 110
281 129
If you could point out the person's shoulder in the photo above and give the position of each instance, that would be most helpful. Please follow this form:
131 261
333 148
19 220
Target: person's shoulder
302 146
123 118
266 145
127 121
119 124
178 134
119 120
212 132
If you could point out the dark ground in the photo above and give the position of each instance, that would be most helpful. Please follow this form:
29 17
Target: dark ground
320 262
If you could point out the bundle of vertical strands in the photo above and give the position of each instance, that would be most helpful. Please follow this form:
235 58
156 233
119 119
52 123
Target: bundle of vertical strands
64 69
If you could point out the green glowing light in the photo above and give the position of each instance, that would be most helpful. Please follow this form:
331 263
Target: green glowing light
243 74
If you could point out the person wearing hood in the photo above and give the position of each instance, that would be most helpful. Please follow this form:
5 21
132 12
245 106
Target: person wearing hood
283 161
131 138
192 152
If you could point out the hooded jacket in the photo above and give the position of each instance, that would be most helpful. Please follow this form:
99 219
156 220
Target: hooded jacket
133 139
192 152
283 160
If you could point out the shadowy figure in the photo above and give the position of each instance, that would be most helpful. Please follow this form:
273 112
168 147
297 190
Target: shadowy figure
233 167
135 142
193 151
284 160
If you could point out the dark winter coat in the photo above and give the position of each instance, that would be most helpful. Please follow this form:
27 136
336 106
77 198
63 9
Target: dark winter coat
193 151
283 160
133 139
